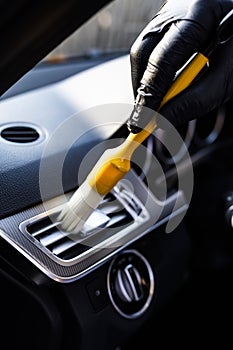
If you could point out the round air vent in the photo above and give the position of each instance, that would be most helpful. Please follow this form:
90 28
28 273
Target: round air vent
20 133
130 284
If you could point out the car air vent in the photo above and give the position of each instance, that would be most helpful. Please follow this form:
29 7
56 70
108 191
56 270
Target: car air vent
117 210
20 134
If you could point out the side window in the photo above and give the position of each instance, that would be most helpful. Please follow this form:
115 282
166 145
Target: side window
114 28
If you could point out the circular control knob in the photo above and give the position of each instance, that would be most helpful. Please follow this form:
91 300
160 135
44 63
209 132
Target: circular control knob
130 283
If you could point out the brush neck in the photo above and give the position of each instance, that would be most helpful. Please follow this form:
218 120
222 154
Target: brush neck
133 141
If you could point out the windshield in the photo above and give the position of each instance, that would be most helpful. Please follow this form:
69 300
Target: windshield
112 29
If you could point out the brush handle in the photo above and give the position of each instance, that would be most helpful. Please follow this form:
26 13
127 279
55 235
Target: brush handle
115 163
183 80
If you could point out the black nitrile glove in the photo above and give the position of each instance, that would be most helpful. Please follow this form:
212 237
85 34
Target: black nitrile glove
180 28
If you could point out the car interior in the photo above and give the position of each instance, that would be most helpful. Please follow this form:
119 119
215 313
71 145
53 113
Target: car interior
152 265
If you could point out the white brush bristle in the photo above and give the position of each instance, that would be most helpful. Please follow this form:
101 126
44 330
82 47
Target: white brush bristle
80 206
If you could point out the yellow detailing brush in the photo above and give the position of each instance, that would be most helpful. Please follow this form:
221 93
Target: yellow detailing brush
115 163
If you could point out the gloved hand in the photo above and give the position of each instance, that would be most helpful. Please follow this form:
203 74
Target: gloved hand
179 29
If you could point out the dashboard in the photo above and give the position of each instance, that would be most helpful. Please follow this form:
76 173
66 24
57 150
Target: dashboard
133 253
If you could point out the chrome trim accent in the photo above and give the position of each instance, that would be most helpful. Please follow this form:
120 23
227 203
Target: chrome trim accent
75 277
151 290
122 287
130 280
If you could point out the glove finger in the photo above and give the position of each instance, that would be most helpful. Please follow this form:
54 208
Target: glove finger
179 43
212 90
183 38
139 56
205 12
171 11
151 35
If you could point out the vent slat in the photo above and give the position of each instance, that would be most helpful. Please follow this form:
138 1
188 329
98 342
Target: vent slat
111 207
73 251
116 219
44 229
51 237
19 132
96 221
64 246
20 139
39 226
